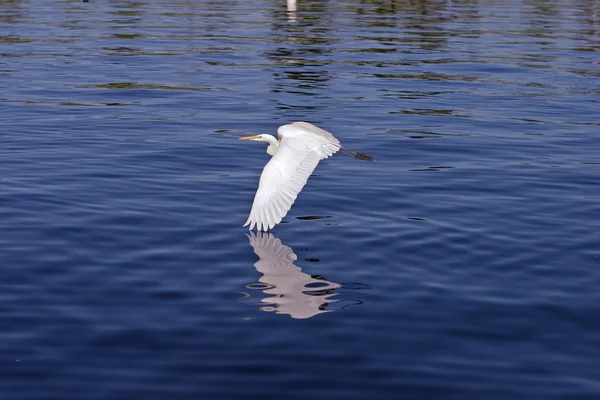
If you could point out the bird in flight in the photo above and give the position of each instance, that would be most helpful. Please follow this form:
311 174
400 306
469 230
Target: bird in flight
295 154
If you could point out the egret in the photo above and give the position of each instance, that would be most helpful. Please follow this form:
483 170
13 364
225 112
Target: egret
295 154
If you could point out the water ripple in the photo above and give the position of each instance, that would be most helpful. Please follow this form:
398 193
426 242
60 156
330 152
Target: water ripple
462 264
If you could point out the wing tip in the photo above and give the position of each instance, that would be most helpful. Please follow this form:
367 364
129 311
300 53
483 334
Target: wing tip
250 222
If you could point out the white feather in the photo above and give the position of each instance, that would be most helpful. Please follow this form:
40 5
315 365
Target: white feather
301 146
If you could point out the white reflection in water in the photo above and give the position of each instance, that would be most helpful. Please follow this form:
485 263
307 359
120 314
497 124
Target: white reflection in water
291 10
290 291
291 5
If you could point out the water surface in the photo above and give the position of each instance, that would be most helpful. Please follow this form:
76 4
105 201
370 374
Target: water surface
462 264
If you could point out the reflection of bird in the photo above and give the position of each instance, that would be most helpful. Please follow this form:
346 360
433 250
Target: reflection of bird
292 291
300 147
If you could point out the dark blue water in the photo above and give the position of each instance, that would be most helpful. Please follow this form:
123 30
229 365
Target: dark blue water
463 264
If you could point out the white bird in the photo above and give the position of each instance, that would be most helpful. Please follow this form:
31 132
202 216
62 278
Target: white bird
295 155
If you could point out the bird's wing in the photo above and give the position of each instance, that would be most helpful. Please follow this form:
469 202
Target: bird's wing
282 179
322 141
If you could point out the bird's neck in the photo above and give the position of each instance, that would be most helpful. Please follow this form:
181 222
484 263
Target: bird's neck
273 144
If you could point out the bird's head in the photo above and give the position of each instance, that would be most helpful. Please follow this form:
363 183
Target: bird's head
273 143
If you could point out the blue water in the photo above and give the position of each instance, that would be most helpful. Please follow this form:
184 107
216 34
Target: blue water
463 264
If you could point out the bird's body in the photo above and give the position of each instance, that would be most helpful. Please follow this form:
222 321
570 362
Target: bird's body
295 154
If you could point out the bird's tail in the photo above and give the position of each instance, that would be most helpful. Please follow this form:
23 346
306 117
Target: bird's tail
358 156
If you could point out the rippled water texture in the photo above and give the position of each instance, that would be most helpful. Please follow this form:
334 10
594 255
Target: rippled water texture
463 264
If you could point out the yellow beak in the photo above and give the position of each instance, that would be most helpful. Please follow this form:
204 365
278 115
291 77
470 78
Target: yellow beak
250 137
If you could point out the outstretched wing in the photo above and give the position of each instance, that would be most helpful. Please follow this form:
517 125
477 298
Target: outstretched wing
323 142
286 173
280 182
